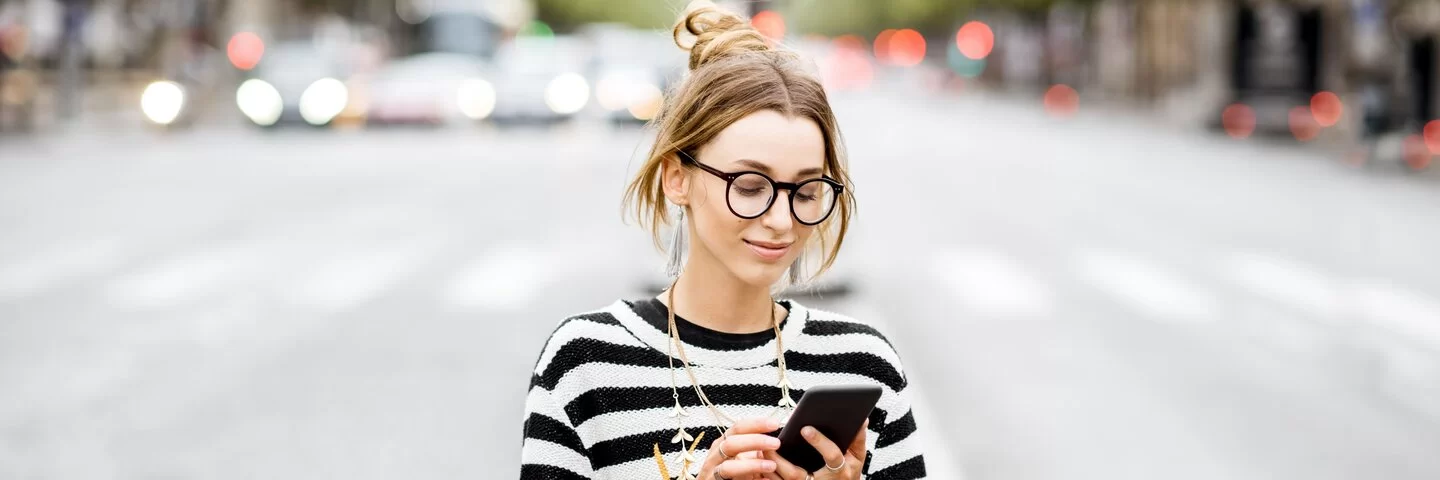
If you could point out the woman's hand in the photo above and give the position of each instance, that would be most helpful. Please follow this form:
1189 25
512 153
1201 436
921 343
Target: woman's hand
740 454
839 464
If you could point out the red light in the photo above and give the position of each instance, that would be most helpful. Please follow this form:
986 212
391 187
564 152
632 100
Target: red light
882 45
1303 124
1238 120
1326 108
907 48
770 24
245 50
1432 136
975 40
1061 100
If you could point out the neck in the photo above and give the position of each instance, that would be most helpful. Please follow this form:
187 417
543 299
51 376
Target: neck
707 294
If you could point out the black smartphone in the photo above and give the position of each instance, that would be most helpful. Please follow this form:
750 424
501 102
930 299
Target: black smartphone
837 411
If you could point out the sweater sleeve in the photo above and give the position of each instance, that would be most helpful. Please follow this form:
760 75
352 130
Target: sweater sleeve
551 449
897 454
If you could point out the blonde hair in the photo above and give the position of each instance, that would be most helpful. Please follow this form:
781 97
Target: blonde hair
736 71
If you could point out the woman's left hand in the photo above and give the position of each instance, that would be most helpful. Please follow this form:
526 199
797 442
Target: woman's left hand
846 463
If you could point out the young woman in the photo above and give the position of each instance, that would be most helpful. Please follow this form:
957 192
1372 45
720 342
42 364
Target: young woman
686 384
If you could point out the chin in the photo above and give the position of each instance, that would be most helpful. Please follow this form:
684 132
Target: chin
758 274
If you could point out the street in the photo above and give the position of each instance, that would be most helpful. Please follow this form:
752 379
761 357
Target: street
1085 298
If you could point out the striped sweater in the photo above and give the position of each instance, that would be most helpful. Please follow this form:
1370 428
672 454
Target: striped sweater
600 393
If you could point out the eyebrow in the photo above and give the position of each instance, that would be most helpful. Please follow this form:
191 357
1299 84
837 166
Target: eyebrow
766 168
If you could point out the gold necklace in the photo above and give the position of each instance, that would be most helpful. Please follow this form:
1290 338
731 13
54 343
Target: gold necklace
678 412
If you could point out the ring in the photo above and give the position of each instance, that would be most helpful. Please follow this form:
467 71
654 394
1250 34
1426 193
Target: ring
718 477
836 469
721 448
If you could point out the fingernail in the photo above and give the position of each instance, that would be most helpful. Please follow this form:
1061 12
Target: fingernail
772 443
808 432
772 423
767 465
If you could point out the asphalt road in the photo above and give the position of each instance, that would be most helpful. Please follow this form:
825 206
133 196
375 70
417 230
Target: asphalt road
1093 297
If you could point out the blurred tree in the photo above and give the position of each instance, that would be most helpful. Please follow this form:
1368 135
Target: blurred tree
566 15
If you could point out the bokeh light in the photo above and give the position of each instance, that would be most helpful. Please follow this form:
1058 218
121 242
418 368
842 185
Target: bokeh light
245 50
1417 154
1303 124
1326 108
1432 136
162 101
539 29
1061 100
964 66
907 48
1238 120
975 40
882 46
770 24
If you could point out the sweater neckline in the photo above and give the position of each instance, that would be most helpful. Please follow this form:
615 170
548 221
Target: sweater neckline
644 319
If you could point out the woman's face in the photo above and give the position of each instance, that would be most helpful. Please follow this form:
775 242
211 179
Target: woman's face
757 251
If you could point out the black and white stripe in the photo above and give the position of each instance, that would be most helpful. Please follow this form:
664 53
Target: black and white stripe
600 391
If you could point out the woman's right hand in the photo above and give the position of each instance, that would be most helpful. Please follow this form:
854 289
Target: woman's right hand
740 454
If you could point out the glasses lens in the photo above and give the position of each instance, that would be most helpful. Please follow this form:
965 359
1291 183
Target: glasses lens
813 201
750 194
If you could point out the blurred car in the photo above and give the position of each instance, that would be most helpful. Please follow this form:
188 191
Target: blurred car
295 83
540 79
632 70
435 88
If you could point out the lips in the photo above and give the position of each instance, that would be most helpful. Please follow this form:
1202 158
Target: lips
769 251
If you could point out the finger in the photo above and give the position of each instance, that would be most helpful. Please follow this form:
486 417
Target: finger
754 425
831 453
784 468
743 467
857 447
737 445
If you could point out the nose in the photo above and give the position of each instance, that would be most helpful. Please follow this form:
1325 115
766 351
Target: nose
779 217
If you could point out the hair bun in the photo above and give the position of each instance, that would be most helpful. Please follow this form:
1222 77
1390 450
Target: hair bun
718 33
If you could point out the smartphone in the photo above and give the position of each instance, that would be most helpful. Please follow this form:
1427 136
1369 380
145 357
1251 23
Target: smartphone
837 411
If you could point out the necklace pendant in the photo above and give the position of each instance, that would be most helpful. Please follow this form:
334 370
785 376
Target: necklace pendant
686 475
785 400
678 411
682 436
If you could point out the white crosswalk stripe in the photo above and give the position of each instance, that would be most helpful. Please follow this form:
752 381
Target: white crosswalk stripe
1146 287
1285 282
990 283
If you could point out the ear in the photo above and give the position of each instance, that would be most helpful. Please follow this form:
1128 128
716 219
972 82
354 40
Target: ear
675 180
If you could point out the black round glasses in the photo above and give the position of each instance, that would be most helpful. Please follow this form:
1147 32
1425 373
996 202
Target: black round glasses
750 194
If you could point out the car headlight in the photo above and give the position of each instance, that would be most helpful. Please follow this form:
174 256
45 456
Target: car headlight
646 102
567 93
323 100
259 101
476 98
162 101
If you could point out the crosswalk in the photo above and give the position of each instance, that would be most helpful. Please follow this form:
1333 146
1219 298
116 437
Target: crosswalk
333 273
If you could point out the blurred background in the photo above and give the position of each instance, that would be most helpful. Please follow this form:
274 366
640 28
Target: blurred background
1119 239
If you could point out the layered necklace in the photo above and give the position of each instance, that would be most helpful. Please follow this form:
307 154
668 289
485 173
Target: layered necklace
725 421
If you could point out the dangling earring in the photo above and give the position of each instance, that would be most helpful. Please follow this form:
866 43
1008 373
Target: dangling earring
676 251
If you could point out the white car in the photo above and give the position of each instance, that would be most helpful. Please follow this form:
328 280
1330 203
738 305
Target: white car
295 82
540 78
428 88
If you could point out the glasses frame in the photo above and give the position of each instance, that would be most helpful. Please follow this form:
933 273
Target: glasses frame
775 187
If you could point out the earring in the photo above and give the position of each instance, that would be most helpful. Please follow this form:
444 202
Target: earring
676 251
